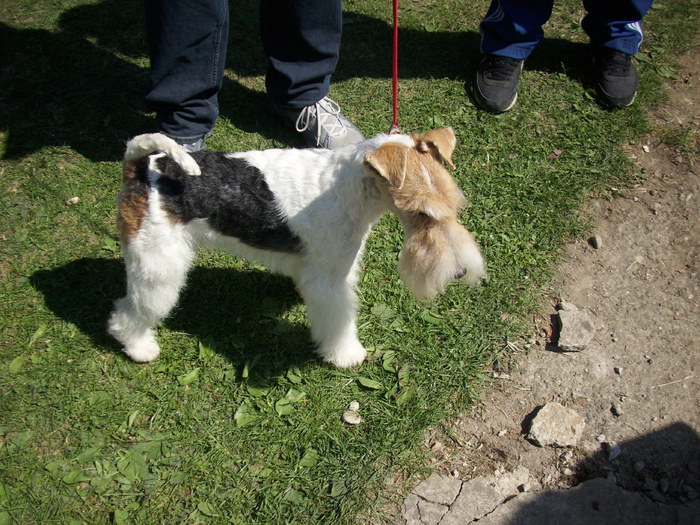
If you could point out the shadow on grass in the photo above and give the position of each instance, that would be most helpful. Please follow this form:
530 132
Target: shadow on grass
82 86
236 313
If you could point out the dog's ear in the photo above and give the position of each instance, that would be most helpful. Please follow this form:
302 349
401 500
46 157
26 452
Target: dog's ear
440 143
389 162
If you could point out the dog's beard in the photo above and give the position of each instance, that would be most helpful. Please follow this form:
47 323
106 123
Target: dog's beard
433 257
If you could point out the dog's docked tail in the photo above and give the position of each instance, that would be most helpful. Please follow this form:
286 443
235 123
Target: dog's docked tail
143 145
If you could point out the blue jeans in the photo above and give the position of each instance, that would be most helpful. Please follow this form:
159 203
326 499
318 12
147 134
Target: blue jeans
187 45
513 28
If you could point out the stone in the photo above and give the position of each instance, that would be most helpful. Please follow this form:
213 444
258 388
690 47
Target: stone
575 330
351 417
508 483
567 306
556 426
616 409
430 513
475 501
438 489
596 242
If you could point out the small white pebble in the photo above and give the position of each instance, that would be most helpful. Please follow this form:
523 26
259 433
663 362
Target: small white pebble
567 472
73 200
502 433
351 417
354 406
600 438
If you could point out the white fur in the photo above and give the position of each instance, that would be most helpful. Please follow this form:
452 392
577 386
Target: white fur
330 203
143 145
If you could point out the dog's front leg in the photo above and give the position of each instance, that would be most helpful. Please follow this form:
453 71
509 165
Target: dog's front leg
331 305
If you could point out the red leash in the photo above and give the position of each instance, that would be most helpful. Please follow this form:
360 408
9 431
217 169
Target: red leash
395 72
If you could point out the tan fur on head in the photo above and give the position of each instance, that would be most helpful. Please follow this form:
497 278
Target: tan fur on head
415 178
426 199
439 142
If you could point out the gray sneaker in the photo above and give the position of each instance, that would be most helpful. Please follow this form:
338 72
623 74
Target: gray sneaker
194 147
321 124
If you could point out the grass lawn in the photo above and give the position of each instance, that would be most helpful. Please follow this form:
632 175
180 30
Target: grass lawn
237 421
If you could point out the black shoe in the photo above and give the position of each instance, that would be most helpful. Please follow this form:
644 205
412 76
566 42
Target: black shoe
496 86
615 77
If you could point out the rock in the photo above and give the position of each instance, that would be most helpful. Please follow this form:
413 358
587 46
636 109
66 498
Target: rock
354 405
566 456
438 489
351 417
507 483
650 483
567 306
476 500
596 242
430 513
557 426
616 409
575 330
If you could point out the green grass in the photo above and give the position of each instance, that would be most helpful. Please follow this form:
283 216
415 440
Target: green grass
237 421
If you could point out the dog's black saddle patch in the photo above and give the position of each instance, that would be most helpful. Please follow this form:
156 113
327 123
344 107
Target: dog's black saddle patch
232 196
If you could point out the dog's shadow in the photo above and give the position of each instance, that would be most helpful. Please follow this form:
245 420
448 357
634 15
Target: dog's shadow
239 314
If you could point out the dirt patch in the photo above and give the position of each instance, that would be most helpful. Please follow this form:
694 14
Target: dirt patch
636 383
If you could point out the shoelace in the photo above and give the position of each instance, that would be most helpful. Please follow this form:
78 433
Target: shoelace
502 67
327 114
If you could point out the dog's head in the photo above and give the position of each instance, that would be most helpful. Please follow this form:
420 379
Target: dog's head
418 189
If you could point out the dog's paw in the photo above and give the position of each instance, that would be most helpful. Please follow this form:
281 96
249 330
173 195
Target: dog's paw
144 351
348 355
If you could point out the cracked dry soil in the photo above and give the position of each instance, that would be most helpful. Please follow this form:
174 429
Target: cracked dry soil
636 383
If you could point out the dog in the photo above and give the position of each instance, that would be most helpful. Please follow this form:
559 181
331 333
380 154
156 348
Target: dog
305 213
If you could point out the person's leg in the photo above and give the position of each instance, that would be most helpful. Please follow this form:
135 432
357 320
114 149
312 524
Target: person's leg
302 41
512 28
187 45
615 25
510 31
615 31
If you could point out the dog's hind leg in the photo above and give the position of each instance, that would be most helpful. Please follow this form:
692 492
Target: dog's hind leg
157 262
331 306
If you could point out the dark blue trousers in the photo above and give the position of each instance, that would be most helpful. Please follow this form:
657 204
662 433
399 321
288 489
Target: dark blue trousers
513 28
187 45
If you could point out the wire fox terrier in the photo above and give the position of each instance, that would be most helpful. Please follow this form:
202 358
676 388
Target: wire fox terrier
305 213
